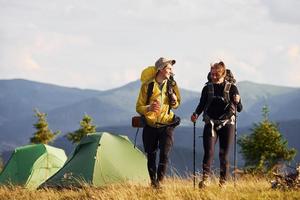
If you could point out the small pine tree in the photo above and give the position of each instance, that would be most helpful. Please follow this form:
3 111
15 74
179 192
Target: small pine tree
86 127
43 134
265 147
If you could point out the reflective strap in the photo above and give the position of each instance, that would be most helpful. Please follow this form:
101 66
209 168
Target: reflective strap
232 120
213 132
222 124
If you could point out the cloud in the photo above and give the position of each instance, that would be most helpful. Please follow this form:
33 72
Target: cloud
294 52
242 69
29 63
105 44
53 42
281 66
284 11
193 12
293 55
21 65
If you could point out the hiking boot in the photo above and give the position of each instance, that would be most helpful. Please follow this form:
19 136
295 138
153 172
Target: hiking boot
222 183
155 184
204 183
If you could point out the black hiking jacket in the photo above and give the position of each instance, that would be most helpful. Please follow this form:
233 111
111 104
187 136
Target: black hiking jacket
216 108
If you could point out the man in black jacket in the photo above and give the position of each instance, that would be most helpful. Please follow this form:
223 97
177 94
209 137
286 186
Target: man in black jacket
219 101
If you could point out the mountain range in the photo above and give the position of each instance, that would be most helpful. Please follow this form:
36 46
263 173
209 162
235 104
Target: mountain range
112 109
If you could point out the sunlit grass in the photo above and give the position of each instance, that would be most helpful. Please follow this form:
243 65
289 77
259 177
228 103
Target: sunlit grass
173 188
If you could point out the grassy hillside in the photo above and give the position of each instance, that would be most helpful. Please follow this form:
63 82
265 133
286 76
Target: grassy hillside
246 188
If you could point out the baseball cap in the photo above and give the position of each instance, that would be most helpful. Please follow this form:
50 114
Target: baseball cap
162 62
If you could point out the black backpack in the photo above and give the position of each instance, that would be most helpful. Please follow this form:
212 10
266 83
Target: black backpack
229 77
229 80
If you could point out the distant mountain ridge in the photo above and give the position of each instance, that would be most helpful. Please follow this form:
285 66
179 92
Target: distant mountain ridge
66 106
22 96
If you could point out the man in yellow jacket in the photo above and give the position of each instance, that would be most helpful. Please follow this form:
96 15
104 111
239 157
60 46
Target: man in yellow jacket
155 105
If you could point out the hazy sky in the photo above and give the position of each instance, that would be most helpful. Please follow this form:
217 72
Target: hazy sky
99 44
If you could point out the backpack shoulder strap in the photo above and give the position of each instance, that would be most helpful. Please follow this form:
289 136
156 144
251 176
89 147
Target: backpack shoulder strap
149 91
170 91
226 91
210 92
210 95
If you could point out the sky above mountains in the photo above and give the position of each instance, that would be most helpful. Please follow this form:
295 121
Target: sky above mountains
104 44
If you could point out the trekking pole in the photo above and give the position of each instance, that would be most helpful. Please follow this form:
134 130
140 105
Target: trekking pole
235 149
194 156
137 131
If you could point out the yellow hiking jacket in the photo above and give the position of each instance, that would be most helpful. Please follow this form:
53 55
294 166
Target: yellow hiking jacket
163 117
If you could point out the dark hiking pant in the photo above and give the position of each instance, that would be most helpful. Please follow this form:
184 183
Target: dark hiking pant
154 139
225 135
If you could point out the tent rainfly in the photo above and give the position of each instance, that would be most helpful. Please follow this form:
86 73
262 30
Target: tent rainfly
31 165
100 159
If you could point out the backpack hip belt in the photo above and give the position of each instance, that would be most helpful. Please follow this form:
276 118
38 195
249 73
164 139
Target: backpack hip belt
217 124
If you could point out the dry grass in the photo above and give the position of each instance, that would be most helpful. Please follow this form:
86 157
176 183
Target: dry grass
173 188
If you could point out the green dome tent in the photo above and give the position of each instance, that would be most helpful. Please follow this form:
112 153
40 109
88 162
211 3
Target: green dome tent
31 165
100 159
